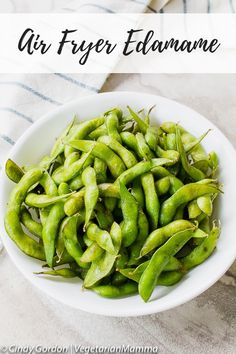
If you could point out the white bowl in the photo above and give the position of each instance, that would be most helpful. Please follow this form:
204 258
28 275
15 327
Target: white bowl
38 140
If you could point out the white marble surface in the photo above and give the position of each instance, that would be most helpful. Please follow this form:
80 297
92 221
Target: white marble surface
204 325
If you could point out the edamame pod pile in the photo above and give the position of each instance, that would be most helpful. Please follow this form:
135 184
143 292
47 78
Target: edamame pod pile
120 203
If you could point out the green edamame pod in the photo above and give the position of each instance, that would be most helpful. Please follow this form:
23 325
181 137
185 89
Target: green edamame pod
118 279
213 161
91 193
12 218
43 200
151 138
81 130
141 124
143 147
64 174
161 235
102 267
151 199
50 229
104 217
149 277
113 161
160 172
171 141
73 157
13 171
110 203
175 184
102 237
129 209
48 185
122 259
130 141
112 124
170 128
200 253
127 156
137 192
159 260
183 195
171 155
139 169
33 226
63 272
192 171
112 291
96 133
72 244
100 168
74 203
193 143
93 252
135 248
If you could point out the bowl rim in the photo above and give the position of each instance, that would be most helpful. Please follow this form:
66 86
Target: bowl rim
99 311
